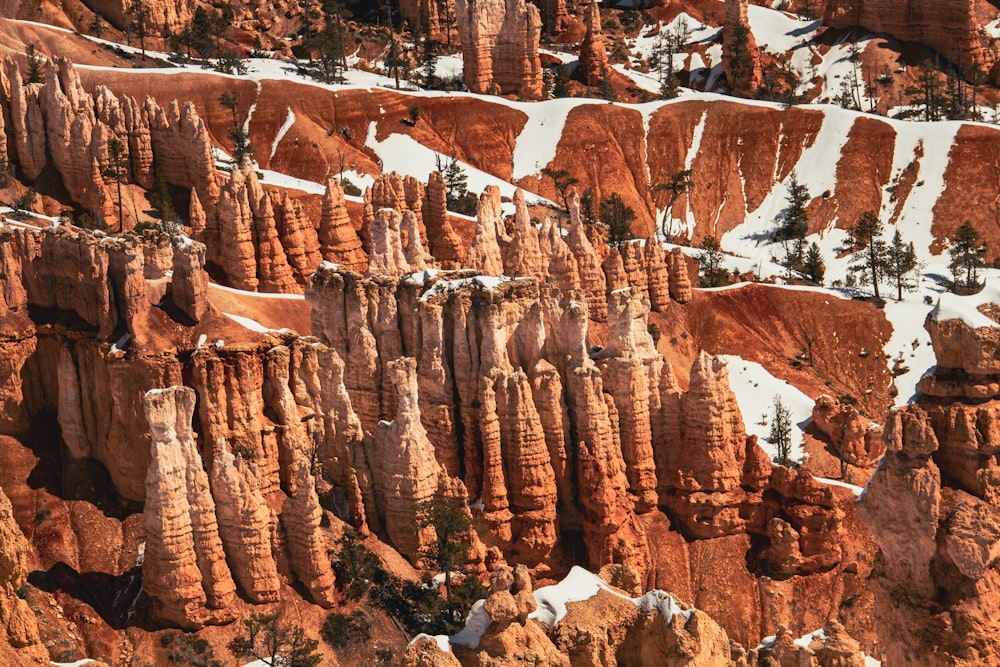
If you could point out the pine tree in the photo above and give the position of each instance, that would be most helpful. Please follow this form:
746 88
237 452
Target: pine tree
451 521
240 138
713 273
901 259
814 266
781 431
117 162
33 74
868 249
793 219
967 257
679 183
563 182
139 16
616 219
272 641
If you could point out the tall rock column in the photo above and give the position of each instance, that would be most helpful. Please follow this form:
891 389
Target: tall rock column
184 570
593 56
406 471
18 627
740 56
500 47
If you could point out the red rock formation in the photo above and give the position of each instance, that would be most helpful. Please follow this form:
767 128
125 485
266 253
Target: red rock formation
298 238
425 14
740 56
530 479
234 222
950 27
631 370
657 275
680 284
338 241
563 270
413 246
403 463
588 261
523 257
445 244
485 254
593 66
274 273
386 256
18 628
26 120
634 262
854 438
184 570
189 283
610 528
183 151
500 47
301 513
231 407
246 525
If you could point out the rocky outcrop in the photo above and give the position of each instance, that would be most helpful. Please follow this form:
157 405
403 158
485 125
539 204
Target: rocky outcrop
27 123
593 66
386 257
338 241
632 370
500 47
523 256
298 238
189 283
184 569
406 472
445 244
18 627
829 647
485 253
680 283
740 55
246 525
951 27
966 340
855 438
588 261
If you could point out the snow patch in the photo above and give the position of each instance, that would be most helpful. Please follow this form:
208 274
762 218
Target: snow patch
282 131
755 389
965 308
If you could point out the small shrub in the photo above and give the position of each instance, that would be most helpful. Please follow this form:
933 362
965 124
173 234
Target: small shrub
341 629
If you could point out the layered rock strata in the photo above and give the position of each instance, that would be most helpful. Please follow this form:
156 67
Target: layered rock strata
500 47
184 569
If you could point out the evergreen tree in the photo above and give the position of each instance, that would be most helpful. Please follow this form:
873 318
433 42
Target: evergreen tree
588 207
33 72
679 183
795 256
713 273
561 86
741 65
901 259
456 184
451 522
240 138
781 431
269 639
868 250
814 266
967 254
793 219
117 161
160 199
138 15
616 219
563 182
